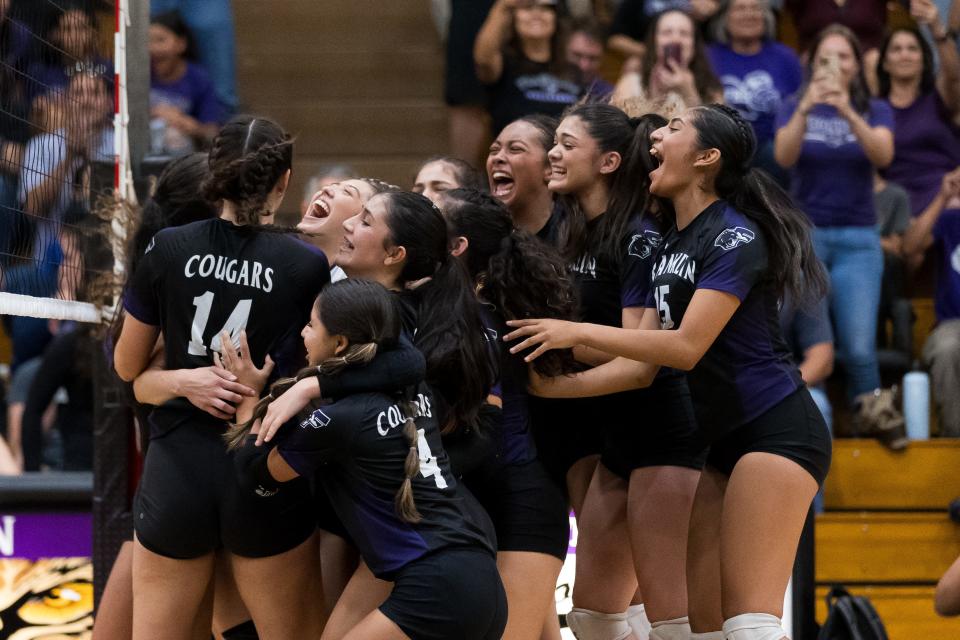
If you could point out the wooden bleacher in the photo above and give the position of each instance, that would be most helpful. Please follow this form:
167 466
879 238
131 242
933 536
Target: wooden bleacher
885 531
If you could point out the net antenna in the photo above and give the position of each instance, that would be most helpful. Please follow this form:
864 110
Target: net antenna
63 201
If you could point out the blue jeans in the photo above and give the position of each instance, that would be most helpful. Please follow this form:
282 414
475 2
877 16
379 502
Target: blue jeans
211 22
854 260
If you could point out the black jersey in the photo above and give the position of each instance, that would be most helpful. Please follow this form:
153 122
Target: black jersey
608 284
201 279
748 369
357 444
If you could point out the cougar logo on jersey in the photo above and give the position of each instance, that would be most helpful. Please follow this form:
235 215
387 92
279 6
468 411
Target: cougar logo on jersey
733 238
643 244
395 415
316 420
586 265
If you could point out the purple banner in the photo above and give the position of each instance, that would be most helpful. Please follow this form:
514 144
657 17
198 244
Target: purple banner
46 535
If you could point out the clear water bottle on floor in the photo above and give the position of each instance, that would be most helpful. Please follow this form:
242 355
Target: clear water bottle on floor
916 404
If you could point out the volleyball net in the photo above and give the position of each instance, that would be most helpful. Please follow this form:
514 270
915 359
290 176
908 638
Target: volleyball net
65 157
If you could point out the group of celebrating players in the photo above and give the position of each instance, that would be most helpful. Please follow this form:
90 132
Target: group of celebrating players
598 332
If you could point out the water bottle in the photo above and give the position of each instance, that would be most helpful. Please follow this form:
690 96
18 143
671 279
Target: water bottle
158 132
916 404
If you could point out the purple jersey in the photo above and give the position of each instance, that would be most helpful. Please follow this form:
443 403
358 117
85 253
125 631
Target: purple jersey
946 234
748 369
926 146
832 180
357 446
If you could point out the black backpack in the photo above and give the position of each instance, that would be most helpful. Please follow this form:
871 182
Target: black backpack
850 617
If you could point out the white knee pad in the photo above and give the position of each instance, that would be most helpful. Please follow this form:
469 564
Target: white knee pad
637 619
710 635
753 626
593 625
675 629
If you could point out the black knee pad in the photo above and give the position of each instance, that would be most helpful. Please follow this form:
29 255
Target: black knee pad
243 631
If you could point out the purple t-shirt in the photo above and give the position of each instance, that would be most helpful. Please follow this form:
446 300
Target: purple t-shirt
193 94
946 233
749 368
756 85
926 146
833 178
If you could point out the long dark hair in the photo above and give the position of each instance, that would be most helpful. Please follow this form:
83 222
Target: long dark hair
703 76
859 93
521 276
449 330
173 22
793 266
248 156
928 81
612 130
44 49
176 200
558 64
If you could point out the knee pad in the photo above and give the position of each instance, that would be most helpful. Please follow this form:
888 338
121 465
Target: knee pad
638 621
710 635
753 626
593 625
243 631
675 629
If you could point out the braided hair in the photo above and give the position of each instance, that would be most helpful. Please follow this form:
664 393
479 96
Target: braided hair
248 156
793 266
362 311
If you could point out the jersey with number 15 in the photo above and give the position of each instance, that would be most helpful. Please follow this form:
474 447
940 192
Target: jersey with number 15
209 277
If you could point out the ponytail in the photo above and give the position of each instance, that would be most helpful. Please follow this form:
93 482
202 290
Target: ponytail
404 504
793 265
355 354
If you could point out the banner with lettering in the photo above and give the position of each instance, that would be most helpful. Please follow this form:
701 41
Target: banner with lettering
46 576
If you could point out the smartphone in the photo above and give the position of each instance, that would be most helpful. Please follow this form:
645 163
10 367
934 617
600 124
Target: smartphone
674 52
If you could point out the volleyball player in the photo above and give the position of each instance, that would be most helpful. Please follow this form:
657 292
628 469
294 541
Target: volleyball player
650 464
226 274
400 240
381 459
516 276
737 245
442 173
518 171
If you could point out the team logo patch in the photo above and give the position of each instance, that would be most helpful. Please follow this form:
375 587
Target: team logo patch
733 238
316 420
643 244
265 493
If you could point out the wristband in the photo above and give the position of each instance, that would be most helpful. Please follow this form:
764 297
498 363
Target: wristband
251 465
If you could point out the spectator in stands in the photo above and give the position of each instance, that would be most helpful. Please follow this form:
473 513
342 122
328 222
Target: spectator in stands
67 48
810 337
893 217
211 22
465 95
519 54
939 226
833 136
442 173
326 175
633 19
925 106
585 48
757 72
182 99
866 18
14 128
676 72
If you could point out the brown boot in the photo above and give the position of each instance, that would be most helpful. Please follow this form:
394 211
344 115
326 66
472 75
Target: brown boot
877 416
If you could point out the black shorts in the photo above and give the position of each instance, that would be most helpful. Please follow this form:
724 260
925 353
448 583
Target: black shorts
327 518
190 502
529 511
794 428
568 430
451 593
661 431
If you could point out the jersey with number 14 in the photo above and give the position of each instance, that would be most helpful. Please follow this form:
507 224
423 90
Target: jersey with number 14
204 278
749 368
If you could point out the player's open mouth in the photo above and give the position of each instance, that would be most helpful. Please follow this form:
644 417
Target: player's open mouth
346 245
558 171
319 209
502 183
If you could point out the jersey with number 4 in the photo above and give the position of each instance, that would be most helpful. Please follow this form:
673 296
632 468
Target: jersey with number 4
358 446
748 369
209 277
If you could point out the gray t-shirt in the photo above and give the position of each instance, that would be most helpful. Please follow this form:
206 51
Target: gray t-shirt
893 210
